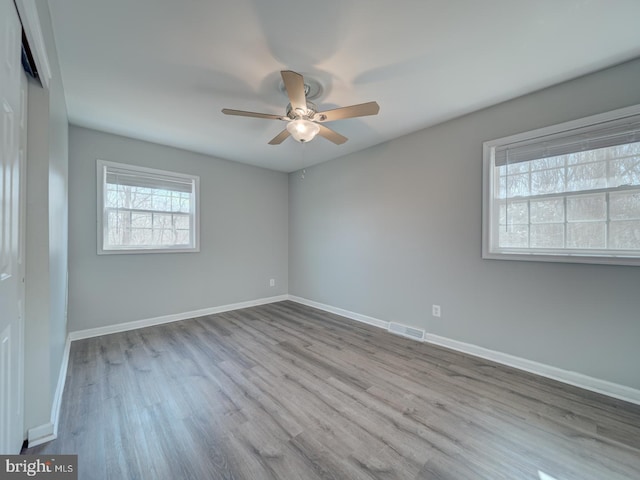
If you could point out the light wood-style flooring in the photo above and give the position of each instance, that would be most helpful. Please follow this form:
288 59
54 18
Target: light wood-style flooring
284 391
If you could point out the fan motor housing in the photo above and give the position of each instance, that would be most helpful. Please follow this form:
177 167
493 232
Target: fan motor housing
312 109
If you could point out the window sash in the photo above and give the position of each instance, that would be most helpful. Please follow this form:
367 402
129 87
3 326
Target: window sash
153 233
127 229
611 238
568 222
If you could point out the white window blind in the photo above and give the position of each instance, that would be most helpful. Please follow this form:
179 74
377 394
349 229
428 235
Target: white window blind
591 137
570 192
146 210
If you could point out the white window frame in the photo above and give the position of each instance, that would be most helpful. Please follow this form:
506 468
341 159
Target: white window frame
489 215
101 168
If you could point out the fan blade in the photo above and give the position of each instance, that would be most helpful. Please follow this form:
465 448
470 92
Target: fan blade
362 110
294 83
332 136
241 113
281 137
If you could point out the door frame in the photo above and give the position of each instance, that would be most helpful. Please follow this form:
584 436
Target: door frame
28 13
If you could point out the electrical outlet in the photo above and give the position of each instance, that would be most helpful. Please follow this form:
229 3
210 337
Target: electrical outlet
272 282
435 310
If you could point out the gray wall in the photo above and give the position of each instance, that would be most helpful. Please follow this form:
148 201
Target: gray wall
243 237
46 236
389 231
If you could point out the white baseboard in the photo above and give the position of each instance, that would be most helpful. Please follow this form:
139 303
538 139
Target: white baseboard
572 378
148 322
49 431
576 379
339 311
62 378
41 434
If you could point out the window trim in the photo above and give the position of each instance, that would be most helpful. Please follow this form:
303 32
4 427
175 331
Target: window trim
101 224
488 149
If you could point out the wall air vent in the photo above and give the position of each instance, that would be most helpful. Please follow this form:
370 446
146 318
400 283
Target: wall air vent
405 331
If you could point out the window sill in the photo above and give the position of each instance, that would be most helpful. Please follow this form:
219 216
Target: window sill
563 258
130 251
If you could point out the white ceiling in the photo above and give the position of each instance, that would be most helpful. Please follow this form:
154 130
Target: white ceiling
161 70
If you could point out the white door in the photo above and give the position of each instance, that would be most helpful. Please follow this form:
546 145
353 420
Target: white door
12 158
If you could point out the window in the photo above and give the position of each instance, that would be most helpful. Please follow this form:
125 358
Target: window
568 193
144 210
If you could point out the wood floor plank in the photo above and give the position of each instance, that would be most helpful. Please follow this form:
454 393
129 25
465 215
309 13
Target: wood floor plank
285 391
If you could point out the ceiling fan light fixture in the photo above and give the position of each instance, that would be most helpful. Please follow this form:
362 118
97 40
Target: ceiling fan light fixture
303 130
302 116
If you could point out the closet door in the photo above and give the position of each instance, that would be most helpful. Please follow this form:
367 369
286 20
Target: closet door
12 158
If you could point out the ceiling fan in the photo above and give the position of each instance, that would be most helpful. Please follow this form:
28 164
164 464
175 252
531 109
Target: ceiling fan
304 120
